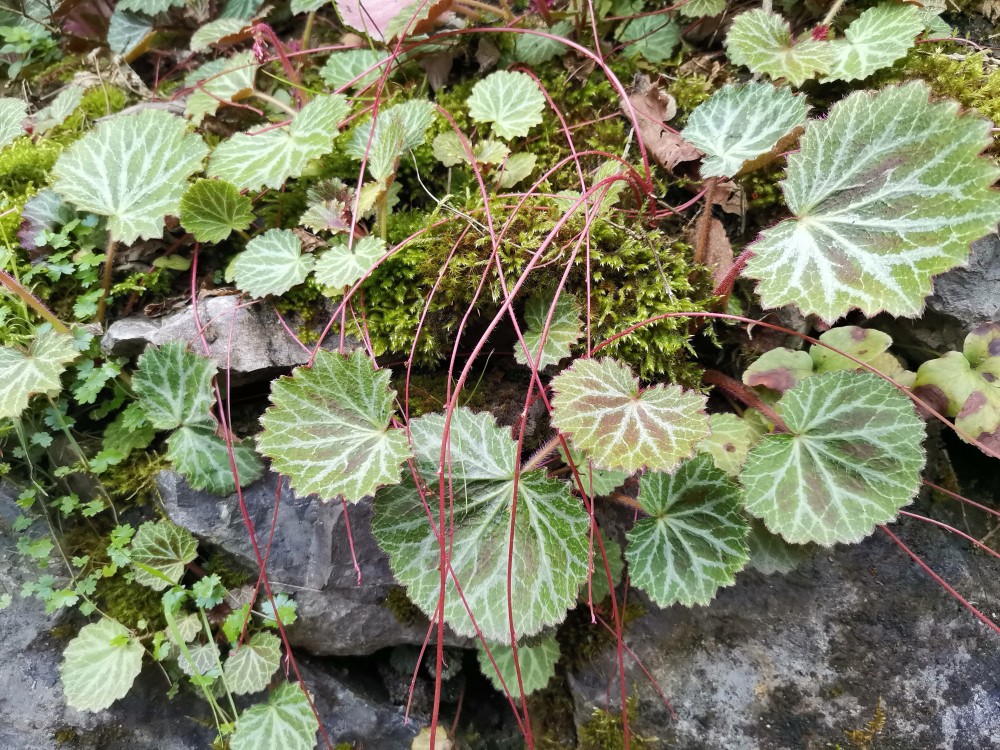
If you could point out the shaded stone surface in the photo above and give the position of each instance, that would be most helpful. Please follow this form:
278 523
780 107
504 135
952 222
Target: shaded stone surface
963 298
310 559
246 338
792 661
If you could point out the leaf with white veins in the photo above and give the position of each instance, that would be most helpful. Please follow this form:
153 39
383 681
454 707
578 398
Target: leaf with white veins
272 264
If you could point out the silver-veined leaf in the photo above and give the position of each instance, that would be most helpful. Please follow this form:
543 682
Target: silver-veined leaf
249 669
162 547
878 38
600 405
202 457
133 169
212 209
272 264
536 661
694 541
286 721
550 551
653 37
175 387
702 8
36 371
269 158
851 459
517 167
596 482
200 660
563 331
128 32
537 50
215 31
218 81
328 429
730 442
877 217
398 129
12 114
740 123
762 41
56 113
769 553
149 7
600 587
342 266
357 68
100 665
511 101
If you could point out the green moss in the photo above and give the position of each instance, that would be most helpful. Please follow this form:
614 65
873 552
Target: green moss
231 577
65 736
688 93
129 602
635 274
605 730
133 481
24 170
402 608
951 71
303 307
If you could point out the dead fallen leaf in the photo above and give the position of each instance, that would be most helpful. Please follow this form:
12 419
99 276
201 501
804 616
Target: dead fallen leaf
729 196
718 251
782 147
487 54
653 108
437 66
990 9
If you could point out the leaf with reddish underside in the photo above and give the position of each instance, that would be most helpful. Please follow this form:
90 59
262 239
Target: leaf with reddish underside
966 385
387 19
779 369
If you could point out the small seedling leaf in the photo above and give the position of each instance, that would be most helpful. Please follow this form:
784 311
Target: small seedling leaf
272 264
880 36
511 101
250 668
762 41
164 548
100 665
269 158
563 331
175 387
212 209
740 123
693 542
342 266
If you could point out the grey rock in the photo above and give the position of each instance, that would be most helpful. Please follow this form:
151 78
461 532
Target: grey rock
310 558
246 338
963 298
789 662
31 699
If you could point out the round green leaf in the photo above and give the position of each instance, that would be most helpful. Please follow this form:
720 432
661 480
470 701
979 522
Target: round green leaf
702 8
250 668
851 459
328 429
511 101
652 37
762 41
160 547
133 169
175 387
563 332
537 663
269 158
600 405
212 209
876 218
550 531
100 665
537 50
342 266
37 371
740 123
878 38
203 458
286 721
350 66
272 264
693 542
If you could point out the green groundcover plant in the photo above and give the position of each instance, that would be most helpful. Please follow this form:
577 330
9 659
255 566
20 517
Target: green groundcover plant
306 170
